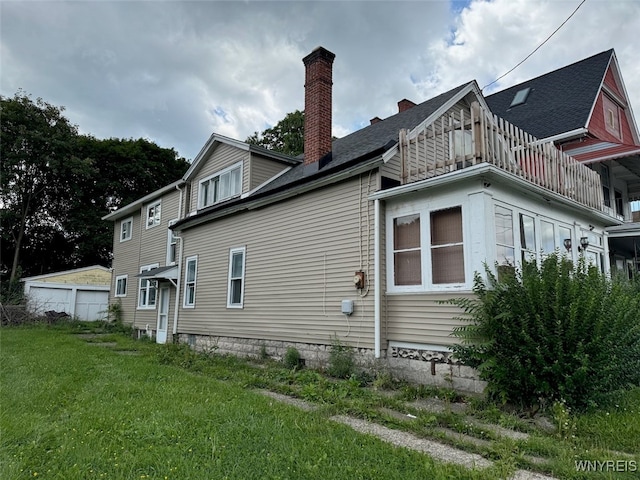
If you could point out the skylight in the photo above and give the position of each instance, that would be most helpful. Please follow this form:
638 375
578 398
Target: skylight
520 97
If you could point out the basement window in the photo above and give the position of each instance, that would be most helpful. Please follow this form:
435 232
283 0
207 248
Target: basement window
520 97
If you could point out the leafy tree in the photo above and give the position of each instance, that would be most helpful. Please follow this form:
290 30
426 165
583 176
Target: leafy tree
38 168
56 185
287 136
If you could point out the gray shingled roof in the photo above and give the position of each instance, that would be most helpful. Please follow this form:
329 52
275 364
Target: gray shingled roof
368 141
559 101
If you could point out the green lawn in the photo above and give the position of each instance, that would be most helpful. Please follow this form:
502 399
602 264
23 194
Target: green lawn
77 410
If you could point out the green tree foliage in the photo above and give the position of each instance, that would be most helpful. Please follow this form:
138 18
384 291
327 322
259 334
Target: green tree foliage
56 185
287 136
38 174
557 332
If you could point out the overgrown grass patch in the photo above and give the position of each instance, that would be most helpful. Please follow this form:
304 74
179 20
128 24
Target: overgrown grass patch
72 410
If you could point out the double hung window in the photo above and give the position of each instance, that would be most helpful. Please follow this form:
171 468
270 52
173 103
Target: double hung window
235 287
126 229
191 271
121 286
147 290
153 214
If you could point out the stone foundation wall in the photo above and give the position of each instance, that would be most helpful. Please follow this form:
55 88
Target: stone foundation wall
423 367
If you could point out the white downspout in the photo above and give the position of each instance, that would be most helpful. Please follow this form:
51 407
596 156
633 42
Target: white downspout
177 301
376 274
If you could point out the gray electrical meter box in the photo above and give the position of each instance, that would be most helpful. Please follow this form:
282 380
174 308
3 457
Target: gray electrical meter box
347 307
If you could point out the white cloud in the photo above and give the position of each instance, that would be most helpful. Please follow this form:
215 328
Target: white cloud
160 69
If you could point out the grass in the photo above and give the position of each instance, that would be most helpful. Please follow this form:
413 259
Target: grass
77 410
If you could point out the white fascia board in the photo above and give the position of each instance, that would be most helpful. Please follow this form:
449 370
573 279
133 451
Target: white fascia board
68 286
133 207
208 147
577 133
471 87
491 171
628 110
624 230
67 272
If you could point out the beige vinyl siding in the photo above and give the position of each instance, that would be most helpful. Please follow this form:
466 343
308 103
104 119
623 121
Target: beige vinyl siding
421 318
262 169
147 246
301 256
222 157
392 168
125 261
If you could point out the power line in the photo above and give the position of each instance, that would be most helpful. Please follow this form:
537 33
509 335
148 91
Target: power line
537 48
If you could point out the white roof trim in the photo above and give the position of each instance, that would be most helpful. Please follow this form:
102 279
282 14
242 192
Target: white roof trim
133 206
206 150
471 87
67 272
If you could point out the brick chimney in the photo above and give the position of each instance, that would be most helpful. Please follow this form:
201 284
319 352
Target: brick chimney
375 120
405 104
317 108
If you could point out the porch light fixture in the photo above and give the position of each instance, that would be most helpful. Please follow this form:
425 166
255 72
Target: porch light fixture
567 244
584 243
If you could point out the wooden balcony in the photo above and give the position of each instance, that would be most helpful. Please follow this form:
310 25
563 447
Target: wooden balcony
471 137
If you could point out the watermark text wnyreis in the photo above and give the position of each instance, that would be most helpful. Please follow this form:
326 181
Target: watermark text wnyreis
606 466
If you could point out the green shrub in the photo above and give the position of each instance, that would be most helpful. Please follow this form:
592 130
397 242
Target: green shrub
558 332
341 363
292 358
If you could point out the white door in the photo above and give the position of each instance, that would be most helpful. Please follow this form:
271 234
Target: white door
163 316
43 299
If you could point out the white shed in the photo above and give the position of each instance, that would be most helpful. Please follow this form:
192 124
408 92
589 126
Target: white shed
82 293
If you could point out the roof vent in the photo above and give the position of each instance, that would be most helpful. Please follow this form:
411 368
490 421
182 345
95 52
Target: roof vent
520 97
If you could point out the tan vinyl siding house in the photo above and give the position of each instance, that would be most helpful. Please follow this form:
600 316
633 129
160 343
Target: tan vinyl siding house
301 257
415 204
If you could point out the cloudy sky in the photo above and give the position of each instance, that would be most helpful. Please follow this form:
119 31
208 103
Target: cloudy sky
175 72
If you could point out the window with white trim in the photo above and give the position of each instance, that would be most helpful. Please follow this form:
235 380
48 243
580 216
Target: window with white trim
447 252
611 116
147 289
605 179
191 272
407 269
220 186
121 286
126 229
505 251
547 237
527 237
426 255
172 244
153 214
235 287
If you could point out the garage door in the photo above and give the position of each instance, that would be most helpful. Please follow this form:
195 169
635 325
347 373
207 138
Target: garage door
91 304
43 299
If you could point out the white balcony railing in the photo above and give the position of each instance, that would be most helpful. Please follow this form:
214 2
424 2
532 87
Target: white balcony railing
471 137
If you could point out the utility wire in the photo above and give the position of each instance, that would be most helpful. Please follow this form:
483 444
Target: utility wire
537 48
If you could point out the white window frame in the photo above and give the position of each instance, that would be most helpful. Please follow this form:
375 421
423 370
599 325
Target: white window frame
232 252
120 278
172 240
156 218
536 251
424 209
188 284
126 221
146 305
204 202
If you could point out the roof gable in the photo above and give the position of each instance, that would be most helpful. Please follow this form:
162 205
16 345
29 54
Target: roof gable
559 102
